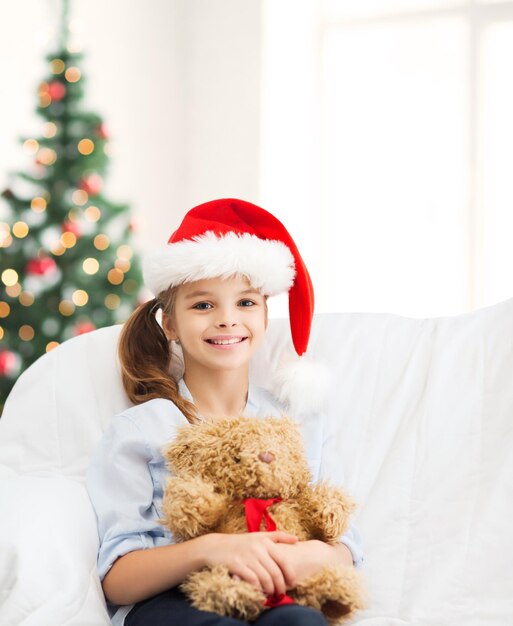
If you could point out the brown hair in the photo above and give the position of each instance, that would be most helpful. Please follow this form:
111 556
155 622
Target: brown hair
145 355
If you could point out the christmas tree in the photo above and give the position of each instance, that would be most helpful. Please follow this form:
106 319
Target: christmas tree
67 266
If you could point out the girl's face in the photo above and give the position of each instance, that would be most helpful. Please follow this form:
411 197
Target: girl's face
219 322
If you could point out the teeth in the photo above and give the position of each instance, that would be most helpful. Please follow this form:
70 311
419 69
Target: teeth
224 342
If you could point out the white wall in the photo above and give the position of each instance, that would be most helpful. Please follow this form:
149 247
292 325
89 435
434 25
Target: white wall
177 83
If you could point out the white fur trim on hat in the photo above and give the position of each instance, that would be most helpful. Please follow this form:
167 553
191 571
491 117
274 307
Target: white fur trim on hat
268 264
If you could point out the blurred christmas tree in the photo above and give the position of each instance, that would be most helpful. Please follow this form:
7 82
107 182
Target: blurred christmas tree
67 266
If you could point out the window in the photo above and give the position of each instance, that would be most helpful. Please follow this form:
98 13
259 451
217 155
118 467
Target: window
387 147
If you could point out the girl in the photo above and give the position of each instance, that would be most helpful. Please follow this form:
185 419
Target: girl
211 281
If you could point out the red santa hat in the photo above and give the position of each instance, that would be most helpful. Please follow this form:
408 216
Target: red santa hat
224 237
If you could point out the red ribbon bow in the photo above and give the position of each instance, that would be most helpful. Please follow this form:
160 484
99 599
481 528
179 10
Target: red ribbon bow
256 511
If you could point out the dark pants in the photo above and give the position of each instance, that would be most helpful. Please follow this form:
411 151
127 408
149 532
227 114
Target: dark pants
172 608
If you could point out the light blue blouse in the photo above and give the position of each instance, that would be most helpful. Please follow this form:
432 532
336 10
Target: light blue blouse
127 475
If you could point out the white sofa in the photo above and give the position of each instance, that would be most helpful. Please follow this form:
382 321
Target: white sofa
424 409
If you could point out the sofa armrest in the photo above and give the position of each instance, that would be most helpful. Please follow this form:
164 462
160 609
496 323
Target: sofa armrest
48 546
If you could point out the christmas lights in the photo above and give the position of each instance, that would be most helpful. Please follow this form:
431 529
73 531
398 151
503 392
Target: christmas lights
112 301
13 290
80 297
57 66
79 197
72 74
49 130
26 332
57 248
38 204
46 156
66 308
26 298
20 230
125 252
68 239
90 266
101 242
31 146
9 277
115 276
122 265
68 266
85 146
92 213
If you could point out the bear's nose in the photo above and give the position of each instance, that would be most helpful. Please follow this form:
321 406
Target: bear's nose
266 457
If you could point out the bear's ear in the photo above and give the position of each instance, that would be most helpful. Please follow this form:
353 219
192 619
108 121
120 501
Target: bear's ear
290 433
184 451
287 426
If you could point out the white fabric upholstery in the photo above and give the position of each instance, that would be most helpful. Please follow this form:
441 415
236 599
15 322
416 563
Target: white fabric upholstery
424 409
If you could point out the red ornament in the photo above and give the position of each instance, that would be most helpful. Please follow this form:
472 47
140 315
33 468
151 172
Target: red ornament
92 184
84 327
40 267
56 90
8 362
102 132
71 227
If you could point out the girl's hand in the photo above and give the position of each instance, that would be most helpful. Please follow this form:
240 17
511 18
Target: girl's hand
250 557
305 558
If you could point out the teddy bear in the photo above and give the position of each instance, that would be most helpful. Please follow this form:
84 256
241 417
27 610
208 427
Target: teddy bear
235 475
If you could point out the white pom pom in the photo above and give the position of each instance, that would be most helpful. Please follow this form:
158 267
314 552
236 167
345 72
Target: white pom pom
302 386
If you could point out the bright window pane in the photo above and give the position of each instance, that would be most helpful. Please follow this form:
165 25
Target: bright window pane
494 2
496 197
351 9
394 168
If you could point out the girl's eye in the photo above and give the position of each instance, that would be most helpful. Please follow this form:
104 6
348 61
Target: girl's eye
247 303
202 306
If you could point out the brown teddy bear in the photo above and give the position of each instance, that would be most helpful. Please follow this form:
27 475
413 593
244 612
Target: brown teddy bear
221 474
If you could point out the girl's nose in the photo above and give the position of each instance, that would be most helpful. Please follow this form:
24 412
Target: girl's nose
266 457
227 319
225 324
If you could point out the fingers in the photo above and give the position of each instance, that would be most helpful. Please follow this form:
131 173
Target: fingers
274 581
264 577
278 536
251 557
258 575
260 570
248 574
277 580
286 570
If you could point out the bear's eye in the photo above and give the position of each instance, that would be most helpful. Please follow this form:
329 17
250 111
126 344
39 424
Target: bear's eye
236 459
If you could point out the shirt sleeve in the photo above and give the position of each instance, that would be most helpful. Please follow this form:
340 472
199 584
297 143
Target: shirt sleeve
120 487
331 470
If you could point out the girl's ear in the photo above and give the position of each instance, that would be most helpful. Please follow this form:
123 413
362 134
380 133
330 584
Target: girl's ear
168 328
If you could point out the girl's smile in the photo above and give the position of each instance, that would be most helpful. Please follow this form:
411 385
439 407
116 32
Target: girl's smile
226 342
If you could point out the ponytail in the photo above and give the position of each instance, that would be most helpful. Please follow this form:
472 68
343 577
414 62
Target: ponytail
145 355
